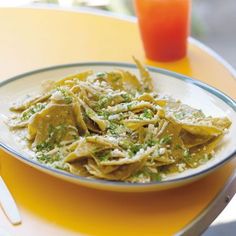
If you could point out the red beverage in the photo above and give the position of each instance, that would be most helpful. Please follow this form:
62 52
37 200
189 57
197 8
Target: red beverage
164 28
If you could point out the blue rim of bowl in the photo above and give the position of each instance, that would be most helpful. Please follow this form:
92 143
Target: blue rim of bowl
226 99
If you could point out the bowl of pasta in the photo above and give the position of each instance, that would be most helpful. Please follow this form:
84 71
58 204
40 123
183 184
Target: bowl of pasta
117 126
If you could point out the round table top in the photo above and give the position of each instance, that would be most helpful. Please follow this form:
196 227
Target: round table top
34 38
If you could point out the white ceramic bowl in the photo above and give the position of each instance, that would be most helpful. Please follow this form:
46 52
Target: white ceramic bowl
189 91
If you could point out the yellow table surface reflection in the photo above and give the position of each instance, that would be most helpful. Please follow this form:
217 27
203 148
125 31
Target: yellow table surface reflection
34 38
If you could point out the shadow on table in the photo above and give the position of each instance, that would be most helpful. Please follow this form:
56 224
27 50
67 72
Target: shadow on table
44 198
228 229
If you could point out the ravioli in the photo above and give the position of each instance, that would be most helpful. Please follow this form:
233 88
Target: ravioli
113 125
54 124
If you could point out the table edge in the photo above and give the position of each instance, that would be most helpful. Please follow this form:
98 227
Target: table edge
132 19
201 222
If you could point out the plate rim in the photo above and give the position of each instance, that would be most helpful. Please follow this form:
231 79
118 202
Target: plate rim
80 179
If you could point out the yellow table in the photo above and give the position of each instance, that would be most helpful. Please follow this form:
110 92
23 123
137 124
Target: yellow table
34 38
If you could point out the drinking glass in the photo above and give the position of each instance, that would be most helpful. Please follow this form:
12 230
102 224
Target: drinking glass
164 28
